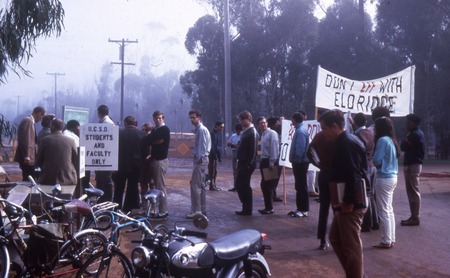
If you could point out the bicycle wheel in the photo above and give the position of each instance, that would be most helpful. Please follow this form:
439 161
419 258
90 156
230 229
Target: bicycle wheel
102 222
4 261
81 247
112 263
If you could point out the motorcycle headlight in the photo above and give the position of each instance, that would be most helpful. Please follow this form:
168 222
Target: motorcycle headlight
141 257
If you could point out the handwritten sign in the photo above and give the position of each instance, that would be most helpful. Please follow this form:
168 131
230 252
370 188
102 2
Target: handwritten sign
102 144
287 132
395 92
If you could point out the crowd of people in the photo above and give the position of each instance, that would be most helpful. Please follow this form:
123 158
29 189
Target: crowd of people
363 160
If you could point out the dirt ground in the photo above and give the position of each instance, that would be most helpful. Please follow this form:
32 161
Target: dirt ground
419 251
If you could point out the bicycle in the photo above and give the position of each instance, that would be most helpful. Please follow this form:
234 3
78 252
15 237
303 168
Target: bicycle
4 255
112 260
50 246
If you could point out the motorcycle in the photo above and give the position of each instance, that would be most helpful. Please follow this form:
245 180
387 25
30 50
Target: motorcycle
185 253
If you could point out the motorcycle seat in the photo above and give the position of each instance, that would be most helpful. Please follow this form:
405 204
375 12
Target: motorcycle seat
154 196
236 246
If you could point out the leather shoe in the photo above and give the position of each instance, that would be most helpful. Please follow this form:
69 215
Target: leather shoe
410 222
313 194
324 245
382 245
266 211
215 188
232 189
242 213
277 199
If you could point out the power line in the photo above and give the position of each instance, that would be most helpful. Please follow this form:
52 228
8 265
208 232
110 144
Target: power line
122 43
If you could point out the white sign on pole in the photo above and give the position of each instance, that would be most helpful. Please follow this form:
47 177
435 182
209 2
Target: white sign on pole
287 132
82 161
395 92
102 145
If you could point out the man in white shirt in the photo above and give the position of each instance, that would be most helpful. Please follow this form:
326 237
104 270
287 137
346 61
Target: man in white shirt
201 151
269 159
73 131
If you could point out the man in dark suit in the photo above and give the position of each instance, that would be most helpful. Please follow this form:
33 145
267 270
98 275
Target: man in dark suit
58 157
130 142
246 162
26 142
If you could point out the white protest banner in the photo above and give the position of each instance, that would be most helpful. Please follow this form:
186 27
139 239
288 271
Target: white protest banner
395 92
102 146
287 132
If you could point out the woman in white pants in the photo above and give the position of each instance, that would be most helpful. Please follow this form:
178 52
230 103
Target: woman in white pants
385 158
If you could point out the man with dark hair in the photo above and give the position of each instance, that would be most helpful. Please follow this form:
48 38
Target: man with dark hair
349 166
73 131
274 124
130 139
300 164
45 123
269 160
246 162
201 151
104 178
215 154
25 153
159 141
233 143
414 148
103 114
366 135
380 111
58 157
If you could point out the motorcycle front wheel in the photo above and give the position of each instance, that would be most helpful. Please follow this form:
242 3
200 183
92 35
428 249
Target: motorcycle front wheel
257 272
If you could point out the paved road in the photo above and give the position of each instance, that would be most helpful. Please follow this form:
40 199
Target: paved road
421 251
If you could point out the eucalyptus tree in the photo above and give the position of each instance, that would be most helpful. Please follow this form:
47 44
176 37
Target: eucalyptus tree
417 32
22 22
291 34
346 44
205 84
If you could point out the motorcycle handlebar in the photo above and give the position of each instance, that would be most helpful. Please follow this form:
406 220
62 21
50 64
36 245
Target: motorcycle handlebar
194 233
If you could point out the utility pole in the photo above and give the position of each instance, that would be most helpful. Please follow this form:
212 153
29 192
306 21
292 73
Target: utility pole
122 43
56 74
226 32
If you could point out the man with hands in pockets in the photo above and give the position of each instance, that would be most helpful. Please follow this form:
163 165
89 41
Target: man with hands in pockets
201 151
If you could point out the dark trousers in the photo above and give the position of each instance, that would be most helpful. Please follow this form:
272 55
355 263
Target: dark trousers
212 170
324 208
130 179
370 219
267 187
301 186
280 169
27 170
103 181
243 187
